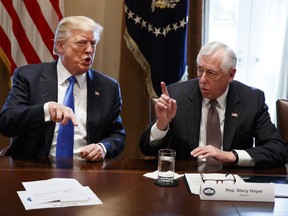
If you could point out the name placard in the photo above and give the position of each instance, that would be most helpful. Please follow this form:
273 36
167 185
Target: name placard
256 192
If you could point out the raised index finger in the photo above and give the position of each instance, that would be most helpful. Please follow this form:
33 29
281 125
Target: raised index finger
164 89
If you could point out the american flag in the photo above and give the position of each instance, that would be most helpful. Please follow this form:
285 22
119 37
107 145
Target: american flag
27 31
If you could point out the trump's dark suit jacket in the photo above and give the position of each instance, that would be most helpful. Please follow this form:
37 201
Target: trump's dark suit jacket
22 115
246 119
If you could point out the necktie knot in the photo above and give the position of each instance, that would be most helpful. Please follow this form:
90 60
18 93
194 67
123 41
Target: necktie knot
72 80
69 98
213 103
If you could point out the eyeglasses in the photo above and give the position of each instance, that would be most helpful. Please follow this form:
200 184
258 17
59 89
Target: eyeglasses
219 180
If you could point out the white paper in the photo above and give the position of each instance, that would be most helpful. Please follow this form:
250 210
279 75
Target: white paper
56 192
56 189
281 190
29 205
194 180
51 183
249 192
154 175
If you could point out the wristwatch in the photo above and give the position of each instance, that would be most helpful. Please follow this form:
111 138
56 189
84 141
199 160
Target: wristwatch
236 155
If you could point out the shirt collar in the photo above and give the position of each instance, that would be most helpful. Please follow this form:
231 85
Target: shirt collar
221 100
63 74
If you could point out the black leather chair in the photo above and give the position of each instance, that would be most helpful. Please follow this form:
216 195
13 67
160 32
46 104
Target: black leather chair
282 118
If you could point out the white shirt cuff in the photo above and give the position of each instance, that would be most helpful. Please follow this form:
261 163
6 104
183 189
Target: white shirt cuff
103 147
245 159
157 134
46 112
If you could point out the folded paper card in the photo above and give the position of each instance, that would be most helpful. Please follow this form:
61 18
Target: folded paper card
229 187
194 180
255 192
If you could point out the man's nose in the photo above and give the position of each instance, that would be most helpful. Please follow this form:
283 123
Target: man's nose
203 77
90 48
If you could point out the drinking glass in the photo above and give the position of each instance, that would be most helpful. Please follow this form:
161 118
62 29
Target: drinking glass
166 166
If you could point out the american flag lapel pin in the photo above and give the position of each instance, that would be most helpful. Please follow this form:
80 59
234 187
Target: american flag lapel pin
234 114
97 93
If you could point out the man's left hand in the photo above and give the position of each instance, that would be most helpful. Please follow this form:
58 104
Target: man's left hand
92 152
211 151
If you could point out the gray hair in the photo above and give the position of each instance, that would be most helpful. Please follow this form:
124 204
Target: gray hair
67 24
229 57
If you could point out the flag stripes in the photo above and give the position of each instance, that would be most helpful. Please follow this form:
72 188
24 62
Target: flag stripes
40 23
27 31
6 45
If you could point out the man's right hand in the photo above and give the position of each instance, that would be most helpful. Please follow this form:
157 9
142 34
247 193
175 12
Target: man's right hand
165 108
61 113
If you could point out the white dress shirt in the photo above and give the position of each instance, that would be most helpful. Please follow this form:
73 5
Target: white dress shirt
80 109
244 158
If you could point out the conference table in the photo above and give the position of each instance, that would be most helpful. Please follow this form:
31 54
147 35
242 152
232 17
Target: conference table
121 186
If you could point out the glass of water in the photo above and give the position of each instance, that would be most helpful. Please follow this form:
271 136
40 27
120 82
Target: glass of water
166 166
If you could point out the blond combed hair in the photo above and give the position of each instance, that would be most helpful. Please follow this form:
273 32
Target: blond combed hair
67 24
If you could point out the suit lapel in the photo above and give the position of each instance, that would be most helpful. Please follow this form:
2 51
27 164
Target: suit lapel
49 92
48 84
232 114
193 116
94 96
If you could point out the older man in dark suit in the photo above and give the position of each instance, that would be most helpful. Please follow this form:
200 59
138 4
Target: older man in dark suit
247 137
34 110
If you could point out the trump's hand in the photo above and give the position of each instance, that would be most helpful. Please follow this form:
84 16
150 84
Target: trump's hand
61 113
92 152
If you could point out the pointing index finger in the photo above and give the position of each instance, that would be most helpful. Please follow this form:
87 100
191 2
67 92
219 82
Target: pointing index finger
164 89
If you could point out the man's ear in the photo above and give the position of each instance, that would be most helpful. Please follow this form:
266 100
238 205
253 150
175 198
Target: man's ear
59 46
232 73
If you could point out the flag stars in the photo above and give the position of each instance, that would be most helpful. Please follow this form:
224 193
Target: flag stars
175 26
137 20
144 24
164 32
130 15
157 31
125 8
150 28
182 23
168 28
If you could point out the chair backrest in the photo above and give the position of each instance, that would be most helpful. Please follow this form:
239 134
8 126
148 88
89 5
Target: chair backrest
3 151
152 114
282 118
